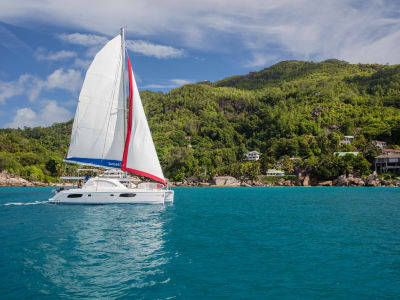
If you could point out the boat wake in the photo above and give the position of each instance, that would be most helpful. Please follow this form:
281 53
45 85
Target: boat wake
25 203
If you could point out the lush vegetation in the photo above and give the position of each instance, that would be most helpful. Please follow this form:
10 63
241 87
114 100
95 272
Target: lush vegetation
292 109
35 153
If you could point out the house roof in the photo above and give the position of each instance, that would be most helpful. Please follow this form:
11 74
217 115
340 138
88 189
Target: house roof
391 150
256 152
389 156
274 171
344 153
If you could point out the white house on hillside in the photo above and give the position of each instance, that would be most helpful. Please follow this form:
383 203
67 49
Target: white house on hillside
273 172
380 144
252 155
347 140
390 151
345 153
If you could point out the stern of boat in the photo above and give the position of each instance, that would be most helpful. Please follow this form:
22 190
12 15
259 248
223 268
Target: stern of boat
169 196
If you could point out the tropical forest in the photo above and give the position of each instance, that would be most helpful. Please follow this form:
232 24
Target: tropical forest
294 113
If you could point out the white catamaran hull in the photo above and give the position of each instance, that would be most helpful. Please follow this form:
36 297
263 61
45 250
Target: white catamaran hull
126 196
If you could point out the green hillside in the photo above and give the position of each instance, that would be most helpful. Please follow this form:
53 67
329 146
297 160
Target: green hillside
291 109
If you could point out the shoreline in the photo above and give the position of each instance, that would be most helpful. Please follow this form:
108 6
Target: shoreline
32 185
373 180
224 186
282 186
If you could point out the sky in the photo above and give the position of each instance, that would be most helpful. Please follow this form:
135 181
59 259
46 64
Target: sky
46 46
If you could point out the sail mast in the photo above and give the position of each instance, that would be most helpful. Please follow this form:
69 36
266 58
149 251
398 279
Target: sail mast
123 77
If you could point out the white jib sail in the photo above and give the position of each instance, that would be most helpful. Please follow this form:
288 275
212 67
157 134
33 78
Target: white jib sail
140 156
98 130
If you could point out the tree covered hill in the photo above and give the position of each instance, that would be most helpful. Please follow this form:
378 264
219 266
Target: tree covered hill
293 108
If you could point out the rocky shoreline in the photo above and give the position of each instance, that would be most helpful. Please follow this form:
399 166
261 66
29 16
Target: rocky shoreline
12 180
372 180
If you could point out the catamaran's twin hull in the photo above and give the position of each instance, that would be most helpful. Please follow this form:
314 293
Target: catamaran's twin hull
81 196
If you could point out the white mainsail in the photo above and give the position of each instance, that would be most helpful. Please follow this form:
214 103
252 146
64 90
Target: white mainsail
140 156
98 130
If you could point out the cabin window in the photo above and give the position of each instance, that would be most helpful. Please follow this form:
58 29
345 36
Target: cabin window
127 195
74 196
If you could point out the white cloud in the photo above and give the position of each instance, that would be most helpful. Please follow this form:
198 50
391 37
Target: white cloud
180 81
260 59
69 80
14 88
172 83
92 51
378 51
10 41
159 86
149 49
82 63
32 86
95 42
22 117
87 40
49 113
353 30
70 103
41 54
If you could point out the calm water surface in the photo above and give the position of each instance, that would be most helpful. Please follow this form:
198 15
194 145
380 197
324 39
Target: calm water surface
227 243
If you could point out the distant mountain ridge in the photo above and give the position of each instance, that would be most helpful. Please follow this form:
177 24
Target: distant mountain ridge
297 70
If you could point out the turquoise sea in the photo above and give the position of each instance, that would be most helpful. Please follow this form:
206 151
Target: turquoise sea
212 243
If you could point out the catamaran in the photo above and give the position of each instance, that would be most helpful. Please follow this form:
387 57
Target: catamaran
108 132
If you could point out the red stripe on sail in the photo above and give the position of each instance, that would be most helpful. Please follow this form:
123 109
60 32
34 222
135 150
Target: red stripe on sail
128 135
141 173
